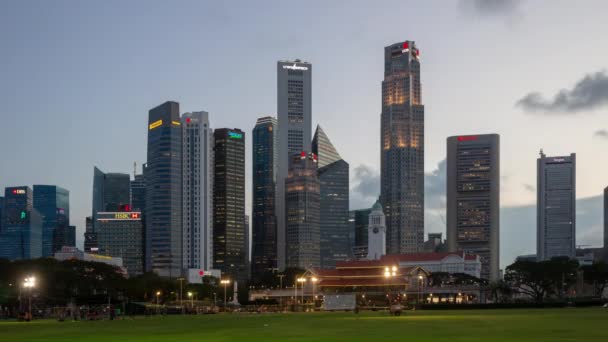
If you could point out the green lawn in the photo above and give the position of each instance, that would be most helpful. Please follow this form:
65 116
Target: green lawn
481 325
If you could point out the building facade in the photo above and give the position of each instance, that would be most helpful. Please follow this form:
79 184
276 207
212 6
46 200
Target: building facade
303 212
111 191
90 237
53 204
21 235
473 193
556 206
294 110
163 176
264 183
229 236
333 174
402 149
120 235
376 233
359 220
197 181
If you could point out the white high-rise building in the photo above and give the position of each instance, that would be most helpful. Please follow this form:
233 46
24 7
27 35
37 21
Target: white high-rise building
197 157
295 133
376 233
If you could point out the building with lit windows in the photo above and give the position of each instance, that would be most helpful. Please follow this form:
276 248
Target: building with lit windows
294 102
120 234
402 149
229 236
473 193
333 173
556 206
303 212
21 235
197 159
53 204
163 177
263 215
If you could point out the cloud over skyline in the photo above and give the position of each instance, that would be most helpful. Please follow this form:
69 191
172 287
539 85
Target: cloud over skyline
589 93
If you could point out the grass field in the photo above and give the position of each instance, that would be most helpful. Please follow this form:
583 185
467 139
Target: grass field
590 324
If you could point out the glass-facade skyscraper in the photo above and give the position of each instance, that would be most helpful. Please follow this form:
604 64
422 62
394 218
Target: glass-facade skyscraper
303 212
556 206
111 191
163 177
473 194
294 111
359 221
21 235
333 174
402 149
263 215
229 236
53 204
197 220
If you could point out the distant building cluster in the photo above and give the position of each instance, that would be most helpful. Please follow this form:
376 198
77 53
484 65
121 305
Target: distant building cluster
184 215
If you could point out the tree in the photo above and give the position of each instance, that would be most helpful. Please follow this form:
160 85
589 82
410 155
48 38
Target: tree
539 280
500 291
596 275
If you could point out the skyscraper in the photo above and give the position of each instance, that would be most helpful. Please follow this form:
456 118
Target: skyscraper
111 191
473 193
229 236
263 215
90 236
333 182
359 220
294 108
53 204
138 191
303 212
197 190
556 206
402 149
1 212
120 235
21 235
164 191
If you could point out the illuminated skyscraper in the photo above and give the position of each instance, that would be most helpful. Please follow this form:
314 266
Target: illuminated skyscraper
556 207
263 215
21 235
229 236
53 204
473 194
164 191
333 181
295 132
402 149
197 191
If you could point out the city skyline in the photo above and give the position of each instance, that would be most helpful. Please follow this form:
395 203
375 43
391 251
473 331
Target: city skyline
125 126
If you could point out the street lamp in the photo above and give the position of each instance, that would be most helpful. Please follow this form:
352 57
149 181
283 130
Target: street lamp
419 287
158 293
314 295
29 283
302 280
225 282
191 299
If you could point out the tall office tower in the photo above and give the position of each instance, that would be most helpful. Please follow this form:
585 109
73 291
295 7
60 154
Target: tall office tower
21 235
473 193
229 244
1 212
197 159
263 216
120 235
606 224
402 149
111 191
295 132
163 177
556 206
359 223
303 213
138 192
90 237
53 204
376 233
333 182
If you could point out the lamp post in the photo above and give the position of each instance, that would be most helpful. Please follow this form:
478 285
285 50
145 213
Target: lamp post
181 282
191 299
314 296
225 282
281 276
388 273
302 280
419 287
29 283
157 300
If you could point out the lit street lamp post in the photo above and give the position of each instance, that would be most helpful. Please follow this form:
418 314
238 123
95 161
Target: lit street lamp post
191 299
302 280
225 282
157 301
29 284
314 296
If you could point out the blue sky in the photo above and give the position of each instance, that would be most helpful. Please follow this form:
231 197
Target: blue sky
77 79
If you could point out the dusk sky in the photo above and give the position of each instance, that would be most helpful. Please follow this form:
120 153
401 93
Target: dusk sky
77 79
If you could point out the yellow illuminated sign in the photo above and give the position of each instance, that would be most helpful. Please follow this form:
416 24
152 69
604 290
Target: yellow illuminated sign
155 124
122 216
176 123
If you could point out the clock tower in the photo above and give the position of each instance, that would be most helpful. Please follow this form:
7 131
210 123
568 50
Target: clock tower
376 233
